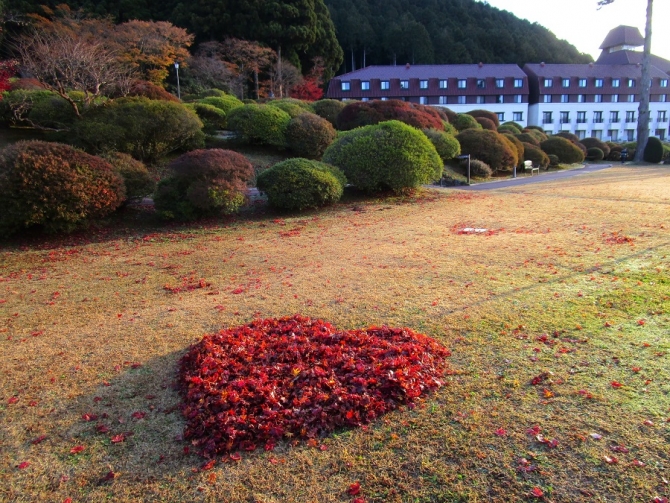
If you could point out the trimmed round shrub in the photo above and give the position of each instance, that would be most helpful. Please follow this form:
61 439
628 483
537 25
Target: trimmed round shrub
26 84
212 92
486 114
329 110
581 147
553 160
435 112
151 91
307 106
595 142
568 136
260 124
308 135
389 155
527 138
53 113
537 156
508 130
479 168
518 147
514 125
486 123
490 147
653 151
225 103
465 121
213 118
137 180
595 154
446 145
450 129
146 129
566 151
366 113
449 113
55 186
536 128
536 133
298 184
203 183
291 106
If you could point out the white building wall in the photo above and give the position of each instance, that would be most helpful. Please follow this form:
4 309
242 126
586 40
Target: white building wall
536 114
507 108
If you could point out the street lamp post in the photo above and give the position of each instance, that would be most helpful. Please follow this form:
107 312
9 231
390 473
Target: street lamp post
176 67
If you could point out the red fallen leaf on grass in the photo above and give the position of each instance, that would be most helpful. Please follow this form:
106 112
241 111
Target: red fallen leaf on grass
39 440
235 456
24 465
641 322
77 449
501 432
359 500
13 399
636 369
648 422
659 499
101 428
67 500
139 415
608 324
638 463
534 430
323 447
89 417
616 384
209 465
537 492
110 476
116 439
539 378
354 489
620 448
611 460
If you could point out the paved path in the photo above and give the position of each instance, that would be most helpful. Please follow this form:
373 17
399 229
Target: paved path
544 177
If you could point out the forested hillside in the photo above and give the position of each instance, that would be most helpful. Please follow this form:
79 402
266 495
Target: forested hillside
369 31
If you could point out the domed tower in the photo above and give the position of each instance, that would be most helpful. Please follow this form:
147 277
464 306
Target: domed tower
623 46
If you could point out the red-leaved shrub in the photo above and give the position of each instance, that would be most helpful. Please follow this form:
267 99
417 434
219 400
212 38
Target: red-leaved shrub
366 113
151 91
253 385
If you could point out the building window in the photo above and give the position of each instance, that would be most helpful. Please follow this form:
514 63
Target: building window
500 83
384 98
346 86
663 98
501 116
547 98
365 85
581 117
518 82
365 99
423 84
615 98
480 100
630 116
580 98
613 134
517 116
404 84
616 82
462 83
461 100
599 82
662 116
385 85
443 84
546 118
518 98
661 134
631 98
548 82
597 133
564 98
581 134
631 82
566 82
597 98
442 100
481 83
614 117
423 100
664 82
565 117
597 117
630 134
500 99
582 83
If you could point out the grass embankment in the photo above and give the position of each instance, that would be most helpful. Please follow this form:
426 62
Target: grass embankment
568 288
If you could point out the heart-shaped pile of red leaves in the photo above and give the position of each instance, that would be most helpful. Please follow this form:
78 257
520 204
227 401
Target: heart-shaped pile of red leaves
294 377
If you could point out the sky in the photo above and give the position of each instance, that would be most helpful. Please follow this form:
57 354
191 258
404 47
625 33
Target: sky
584 26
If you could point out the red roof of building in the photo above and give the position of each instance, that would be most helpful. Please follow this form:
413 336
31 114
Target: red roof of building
592 71
631 58
435 72
623 35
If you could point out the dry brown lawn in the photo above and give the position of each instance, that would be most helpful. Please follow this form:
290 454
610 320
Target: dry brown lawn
569 285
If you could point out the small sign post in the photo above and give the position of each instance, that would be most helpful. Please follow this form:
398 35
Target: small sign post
466 156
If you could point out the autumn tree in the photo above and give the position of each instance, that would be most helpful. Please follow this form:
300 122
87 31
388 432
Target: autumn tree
310 88
249 58
7 71
643 111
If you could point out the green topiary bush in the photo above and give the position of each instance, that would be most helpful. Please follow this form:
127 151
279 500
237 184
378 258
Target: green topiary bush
260 124
568 136
479 168
214 119
203 183
465 121
365 113
486 123
446 145
536 156
566 151
137 180
595 154
329 110
389 155
308 135
518 147
146 129
486 114
653 152
298 184
224 103
289 106
151 91
513 125
595 142
528 138
553 159
54 186
536 133
504 129
490 147
450 129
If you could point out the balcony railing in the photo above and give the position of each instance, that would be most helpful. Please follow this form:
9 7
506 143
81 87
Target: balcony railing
662 119
615 121
565 121
598 121
581 121
547 121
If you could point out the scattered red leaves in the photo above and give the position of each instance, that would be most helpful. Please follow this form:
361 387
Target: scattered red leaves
539 378
39 440
77 449
253 385
616 384
24 465
354 489
186 286
537 492
617 239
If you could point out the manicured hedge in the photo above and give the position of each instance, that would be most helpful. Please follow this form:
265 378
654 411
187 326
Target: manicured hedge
225 103
291 106
203 183
260 124
653 152
329 109
486 114
490 147
596 143
389 155
595 154
54 186
213 118
137 180
308 135
151 91
528 138
514 125
480 169
518 147
568 136
566 151
465 121
298 184
538 134
537 156
446 145
365 113
486 123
